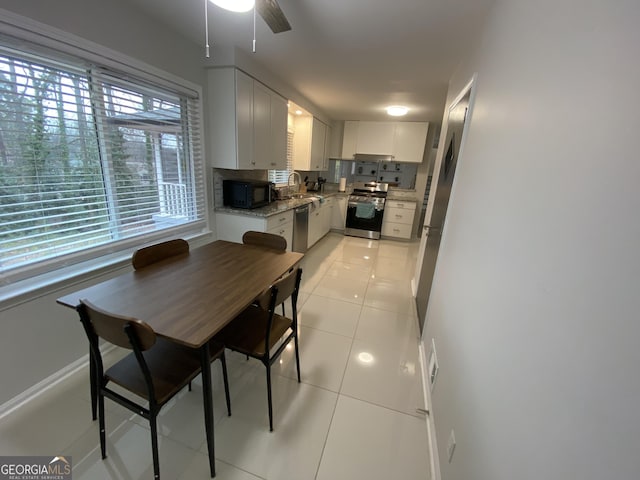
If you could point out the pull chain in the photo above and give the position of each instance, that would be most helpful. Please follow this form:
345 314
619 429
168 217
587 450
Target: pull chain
254 28
206 29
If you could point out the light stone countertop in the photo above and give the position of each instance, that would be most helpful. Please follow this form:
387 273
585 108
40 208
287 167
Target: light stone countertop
274 208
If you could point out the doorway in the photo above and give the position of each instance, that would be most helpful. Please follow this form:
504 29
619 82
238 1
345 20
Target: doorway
432 228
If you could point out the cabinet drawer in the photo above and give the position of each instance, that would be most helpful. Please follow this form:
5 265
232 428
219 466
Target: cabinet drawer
274 221
285 230
398 215
409 205
399 230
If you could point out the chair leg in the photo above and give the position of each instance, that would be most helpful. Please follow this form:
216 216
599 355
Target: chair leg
93 385
225 377
269 397
295 340
103 439
189 386
154 444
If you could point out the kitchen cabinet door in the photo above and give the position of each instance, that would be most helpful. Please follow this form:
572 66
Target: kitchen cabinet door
375 138
269 129
409 141
350 139
318 139
327 149
339 213
261 126
278 133
315 226
230 105
309 144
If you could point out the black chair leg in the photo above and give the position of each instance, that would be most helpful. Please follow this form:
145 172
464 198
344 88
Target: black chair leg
269 397
103 439
93 385
225 377
154 445
295 340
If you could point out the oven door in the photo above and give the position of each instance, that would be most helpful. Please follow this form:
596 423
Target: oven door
364 217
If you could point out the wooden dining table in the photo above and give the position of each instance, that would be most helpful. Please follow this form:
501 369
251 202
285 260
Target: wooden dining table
189 298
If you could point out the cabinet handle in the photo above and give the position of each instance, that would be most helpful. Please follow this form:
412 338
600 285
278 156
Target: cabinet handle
396 230
282 219
399 216
400 205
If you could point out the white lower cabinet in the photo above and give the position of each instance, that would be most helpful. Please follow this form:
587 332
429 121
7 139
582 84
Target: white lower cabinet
231 227
398 218
319 221
339 212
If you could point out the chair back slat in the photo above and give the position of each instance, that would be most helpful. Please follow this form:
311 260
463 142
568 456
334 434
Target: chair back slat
154 253
110 327
269 240
283 289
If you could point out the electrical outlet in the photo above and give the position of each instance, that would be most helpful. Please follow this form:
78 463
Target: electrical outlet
451 445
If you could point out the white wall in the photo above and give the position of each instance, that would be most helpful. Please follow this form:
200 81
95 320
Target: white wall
118 25
535 301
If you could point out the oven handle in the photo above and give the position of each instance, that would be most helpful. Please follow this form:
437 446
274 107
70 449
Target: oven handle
378 207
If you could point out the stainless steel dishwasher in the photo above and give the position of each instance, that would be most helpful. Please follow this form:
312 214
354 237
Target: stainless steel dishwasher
300 228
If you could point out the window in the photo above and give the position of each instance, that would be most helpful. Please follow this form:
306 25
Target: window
91 161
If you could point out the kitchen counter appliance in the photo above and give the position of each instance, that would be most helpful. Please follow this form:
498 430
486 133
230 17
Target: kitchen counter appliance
300 228
365 210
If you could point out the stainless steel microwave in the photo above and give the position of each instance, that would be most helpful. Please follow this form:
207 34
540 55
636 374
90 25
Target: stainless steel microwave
246 193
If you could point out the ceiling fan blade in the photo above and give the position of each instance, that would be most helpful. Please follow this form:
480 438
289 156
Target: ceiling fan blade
272 14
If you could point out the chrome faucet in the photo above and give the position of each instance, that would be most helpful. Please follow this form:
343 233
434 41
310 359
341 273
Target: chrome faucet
289 180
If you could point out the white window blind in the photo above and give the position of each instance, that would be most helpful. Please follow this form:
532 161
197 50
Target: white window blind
90 163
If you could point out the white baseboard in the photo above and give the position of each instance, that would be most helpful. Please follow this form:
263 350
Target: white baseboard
434 461
48 383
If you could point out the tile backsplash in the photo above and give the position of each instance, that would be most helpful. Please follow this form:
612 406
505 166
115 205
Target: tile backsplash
220 174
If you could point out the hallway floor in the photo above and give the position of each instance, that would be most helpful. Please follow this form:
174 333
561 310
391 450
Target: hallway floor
352 417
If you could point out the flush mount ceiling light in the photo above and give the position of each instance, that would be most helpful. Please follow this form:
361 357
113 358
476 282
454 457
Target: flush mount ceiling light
397 110
234 5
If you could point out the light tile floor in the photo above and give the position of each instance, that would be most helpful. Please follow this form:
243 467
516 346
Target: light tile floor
352 417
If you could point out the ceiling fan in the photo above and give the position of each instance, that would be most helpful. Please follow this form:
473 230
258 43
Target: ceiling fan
273 16
269 10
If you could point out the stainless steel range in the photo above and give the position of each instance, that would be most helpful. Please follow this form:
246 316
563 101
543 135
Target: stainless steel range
366 209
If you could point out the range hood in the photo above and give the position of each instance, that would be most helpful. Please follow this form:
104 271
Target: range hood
366 157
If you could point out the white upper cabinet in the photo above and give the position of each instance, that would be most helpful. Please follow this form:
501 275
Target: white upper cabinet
248 122
375 138
409 141
405 141
350 139
310 144
269 129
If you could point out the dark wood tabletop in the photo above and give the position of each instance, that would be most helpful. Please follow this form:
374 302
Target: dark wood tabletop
189 298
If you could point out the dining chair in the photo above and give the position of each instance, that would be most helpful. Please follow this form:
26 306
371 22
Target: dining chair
146 256
259 332
155 371
263 239
269 240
